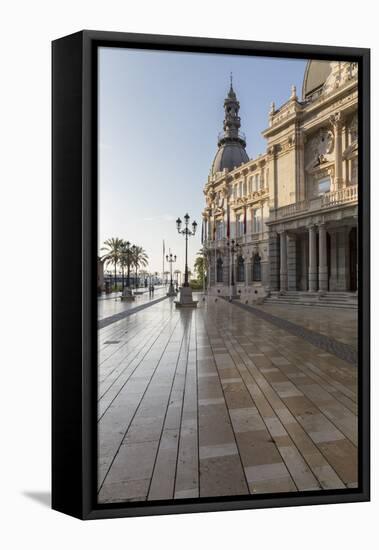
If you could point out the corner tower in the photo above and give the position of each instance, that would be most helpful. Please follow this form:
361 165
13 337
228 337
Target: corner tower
231 142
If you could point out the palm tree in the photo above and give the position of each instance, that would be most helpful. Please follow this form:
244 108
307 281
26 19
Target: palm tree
113 249
201 265
125 260
139 259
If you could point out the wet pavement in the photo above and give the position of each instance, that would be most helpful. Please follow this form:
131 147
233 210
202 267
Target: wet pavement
218 401
110 304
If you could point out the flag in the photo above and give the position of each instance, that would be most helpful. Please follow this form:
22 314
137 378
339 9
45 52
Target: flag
228 222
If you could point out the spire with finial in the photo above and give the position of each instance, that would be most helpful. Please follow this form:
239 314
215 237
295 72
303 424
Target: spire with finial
232 121
231 93
231 142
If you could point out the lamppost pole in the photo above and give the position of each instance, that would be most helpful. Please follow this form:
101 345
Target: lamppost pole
170 258
127 252
233 249
186 292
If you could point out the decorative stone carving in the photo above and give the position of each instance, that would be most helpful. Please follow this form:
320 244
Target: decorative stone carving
341 73
318 149
352 129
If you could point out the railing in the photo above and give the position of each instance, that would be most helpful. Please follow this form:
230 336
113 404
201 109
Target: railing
334 198
239 135
291 209
328 200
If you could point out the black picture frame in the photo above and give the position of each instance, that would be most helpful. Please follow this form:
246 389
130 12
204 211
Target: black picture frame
74 206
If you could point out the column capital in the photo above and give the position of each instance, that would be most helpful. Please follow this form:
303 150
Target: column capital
336 120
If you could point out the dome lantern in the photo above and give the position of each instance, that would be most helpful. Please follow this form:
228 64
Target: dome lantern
231 142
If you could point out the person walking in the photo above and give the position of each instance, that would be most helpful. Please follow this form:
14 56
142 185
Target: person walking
152 290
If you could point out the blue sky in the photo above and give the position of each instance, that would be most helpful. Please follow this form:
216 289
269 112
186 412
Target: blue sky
159 117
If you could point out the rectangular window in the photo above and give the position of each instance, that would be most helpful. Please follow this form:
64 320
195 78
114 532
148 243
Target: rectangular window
235 192
257 220
219 230
256 182
354 171
239 225
324 185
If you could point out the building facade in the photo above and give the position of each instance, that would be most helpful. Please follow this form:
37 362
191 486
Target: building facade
287 220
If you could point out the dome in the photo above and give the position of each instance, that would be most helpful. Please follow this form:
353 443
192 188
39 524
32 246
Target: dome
315 76
231 142
229 155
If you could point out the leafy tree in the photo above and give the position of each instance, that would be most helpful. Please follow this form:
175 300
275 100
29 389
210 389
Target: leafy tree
139 259
113 249
201 266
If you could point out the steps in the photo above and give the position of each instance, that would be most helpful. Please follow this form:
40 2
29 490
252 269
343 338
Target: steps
343 300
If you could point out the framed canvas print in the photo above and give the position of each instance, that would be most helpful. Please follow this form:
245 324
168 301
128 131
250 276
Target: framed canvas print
210 274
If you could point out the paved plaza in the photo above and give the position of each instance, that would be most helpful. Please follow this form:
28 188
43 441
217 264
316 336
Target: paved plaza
220 400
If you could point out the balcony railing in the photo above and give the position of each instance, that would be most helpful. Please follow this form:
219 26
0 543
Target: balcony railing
328 200
291 209
236 135
341 196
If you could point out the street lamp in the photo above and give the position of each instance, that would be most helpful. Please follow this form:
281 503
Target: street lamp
186 292
133 250
187 233
127 251
170 258
233 248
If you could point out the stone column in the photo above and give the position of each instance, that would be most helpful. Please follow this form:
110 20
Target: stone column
247 270
336 121
323 260
283 261
302 260
301 170
273 257
291 262
357 265
333 260
312 271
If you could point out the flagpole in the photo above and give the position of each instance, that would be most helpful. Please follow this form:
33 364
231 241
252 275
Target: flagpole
164 250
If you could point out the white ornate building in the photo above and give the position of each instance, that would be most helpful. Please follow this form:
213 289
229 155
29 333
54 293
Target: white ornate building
292 212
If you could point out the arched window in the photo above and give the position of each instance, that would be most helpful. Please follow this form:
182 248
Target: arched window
240 269
256 268
220 271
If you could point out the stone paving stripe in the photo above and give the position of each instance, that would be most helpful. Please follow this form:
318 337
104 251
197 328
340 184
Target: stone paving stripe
102 323
339 349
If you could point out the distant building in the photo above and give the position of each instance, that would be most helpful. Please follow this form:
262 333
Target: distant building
100 275
292 211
